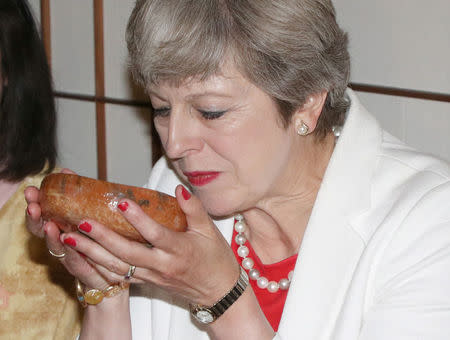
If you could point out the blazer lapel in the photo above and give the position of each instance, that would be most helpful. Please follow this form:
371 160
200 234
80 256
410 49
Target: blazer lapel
331 249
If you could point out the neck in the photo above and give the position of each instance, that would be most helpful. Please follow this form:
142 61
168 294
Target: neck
277 224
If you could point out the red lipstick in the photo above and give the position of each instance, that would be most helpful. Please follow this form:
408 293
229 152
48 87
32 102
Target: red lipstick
199 178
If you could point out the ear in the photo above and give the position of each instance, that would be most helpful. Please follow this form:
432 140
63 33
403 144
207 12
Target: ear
310 112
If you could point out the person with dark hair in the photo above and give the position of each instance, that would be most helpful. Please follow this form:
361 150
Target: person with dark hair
34 300
306 220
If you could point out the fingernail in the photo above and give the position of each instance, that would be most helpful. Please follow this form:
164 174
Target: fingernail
123 206
85 226
70 241
186 194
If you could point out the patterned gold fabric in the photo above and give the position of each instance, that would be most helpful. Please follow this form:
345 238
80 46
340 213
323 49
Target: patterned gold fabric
36 293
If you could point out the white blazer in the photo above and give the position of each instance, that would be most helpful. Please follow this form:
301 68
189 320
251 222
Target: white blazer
374 263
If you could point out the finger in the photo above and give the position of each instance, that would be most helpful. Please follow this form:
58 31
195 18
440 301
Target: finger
156 234
33 212
196 215
128 251
74 262
33 220
68 171
96 253
52 239
31 194
78 264
113 277
108 264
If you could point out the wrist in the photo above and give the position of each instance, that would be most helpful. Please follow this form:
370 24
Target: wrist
109 319
115 302
92 296
208 314
243 320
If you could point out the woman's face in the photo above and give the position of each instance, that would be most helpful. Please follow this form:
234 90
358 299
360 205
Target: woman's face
225 138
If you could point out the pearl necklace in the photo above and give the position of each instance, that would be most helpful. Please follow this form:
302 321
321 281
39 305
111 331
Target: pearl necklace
248 263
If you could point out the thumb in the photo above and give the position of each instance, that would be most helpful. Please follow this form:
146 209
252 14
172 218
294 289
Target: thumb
191 205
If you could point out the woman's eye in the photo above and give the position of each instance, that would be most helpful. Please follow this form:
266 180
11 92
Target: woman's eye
211 114
161 112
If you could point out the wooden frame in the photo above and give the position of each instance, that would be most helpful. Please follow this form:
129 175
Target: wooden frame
100 100
100 89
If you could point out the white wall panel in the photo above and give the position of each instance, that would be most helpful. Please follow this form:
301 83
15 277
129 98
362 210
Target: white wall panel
401 43
118 83
422 124
36 8
76 136
129 146
389 110
72 32
427 126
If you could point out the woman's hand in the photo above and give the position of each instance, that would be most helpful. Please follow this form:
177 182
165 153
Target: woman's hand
197 264
76 263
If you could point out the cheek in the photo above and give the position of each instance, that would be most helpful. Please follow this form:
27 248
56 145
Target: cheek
162 132
257 160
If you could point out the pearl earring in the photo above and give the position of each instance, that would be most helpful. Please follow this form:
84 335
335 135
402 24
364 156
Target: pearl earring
302 129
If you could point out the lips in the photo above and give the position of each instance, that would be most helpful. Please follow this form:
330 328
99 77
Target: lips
199 178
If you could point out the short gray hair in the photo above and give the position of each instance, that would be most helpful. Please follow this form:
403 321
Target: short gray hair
288 48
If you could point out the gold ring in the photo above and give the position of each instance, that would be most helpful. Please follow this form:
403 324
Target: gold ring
60 256
130 272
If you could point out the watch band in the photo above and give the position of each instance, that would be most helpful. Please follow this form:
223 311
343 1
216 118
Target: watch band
209 314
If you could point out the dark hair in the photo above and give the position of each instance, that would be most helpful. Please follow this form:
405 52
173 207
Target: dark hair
27 108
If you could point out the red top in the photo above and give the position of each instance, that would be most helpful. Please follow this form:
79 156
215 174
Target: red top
272 304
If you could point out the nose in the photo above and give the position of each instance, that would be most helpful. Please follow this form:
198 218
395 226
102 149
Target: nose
182 135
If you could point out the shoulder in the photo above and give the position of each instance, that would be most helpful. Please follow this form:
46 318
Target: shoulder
415 183
397 153
403 172
411 199
411 188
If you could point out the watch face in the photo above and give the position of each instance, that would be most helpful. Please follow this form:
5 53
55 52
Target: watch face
204 316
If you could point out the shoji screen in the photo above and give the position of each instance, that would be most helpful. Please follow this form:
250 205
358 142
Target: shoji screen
104 125
400 57
401 63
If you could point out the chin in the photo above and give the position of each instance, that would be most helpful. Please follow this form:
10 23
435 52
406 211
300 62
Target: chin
218 207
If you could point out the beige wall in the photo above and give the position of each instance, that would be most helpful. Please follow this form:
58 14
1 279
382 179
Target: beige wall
128 139
402 43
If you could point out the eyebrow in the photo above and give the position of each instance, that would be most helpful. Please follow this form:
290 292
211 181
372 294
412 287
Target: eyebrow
207 93
195 95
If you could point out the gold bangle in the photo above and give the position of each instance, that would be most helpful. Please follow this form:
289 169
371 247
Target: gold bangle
95 296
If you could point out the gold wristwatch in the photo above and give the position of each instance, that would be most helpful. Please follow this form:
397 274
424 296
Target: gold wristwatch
206 315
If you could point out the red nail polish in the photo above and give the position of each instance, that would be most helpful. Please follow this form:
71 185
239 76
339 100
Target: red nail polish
70 241
28 211
186 194
123 206
85 226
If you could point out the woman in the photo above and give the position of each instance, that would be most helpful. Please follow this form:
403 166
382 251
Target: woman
343 231
35 299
